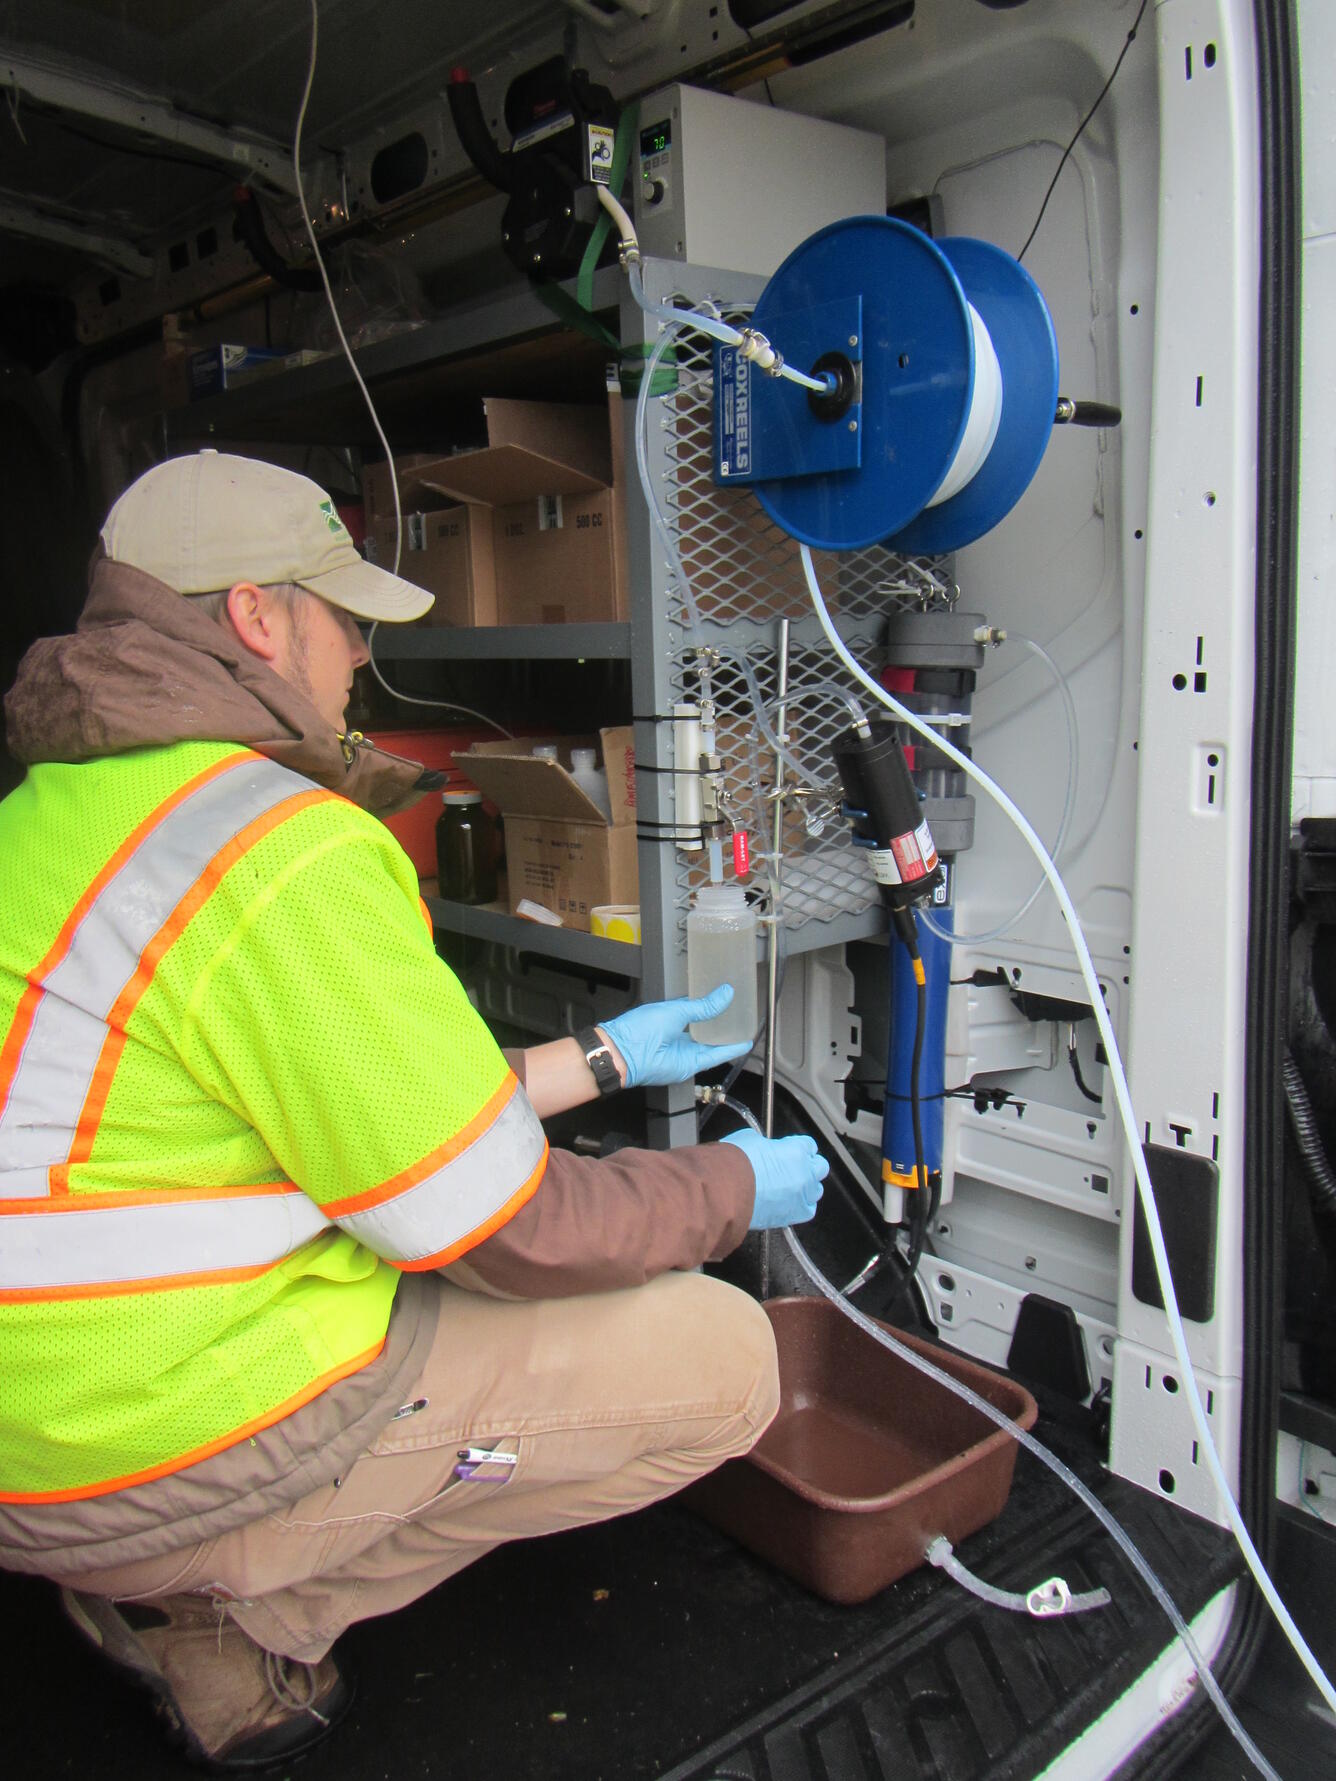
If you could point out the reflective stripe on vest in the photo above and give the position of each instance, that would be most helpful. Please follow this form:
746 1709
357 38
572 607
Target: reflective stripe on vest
59 1059
80 997
76 1245
463 1191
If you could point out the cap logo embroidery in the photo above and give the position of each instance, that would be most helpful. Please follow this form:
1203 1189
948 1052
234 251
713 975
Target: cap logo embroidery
332 519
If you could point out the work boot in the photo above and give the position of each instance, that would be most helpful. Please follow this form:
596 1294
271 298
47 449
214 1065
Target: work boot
230 1703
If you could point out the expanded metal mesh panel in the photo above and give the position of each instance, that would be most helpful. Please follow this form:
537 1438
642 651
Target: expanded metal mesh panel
822 874
743 568
739 563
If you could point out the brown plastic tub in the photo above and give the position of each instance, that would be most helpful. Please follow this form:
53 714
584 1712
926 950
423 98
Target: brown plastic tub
867 1459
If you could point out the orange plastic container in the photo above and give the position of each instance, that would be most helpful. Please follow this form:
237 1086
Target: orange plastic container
415 829
867 1459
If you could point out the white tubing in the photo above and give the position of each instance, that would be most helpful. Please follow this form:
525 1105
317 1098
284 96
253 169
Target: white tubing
984 416
1106 1519
1131 1130
1031 1443
616 211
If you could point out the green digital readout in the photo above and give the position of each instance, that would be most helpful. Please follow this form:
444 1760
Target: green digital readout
656 139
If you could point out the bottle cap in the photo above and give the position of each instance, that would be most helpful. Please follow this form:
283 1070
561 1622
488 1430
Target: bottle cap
463 795
581 758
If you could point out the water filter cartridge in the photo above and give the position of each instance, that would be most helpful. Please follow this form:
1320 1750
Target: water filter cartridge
686 779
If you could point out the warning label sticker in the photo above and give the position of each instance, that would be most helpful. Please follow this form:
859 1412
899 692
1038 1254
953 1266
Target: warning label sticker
908 858
600 153
923 835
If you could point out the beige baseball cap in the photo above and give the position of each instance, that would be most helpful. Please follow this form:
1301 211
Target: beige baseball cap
205 522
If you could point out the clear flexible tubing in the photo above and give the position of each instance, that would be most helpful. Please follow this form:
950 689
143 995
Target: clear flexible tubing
808 690
1068 808
940 1554
1110 1524
661 528
719 330
1123 1097
673 556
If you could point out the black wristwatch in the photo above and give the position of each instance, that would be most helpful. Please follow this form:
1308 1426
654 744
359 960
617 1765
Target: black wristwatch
599 1059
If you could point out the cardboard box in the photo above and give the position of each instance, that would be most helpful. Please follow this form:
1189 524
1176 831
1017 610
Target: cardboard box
560 849
449 552
378 490
550 478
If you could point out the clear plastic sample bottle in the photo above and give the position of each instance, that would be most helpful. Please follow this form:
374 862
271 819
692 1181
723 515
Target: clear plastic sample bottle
721 948
592 780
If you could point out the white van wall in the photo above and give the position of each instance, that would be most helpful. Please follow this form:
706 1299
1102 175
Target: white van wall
1131 547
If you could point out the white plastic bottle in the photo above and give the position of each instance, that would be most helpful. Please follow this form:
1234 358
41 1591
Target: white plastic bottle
721 948
592 780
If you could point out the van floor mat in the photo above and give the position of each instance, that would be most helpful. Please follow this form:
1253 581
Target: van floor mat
951 1689
654 1646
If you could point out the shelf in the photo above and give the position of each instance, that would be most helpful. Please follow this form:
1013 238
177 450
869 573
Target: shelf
426 381
548 643
867 924
491 921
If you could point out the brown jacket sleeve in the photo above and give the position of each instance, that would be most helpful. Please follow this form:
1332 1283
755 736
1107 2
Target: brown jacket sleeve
598 1224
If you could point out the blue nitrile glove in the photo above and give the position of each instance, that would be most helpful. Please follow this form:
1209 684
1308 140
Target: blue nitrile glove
789 1173
656 1046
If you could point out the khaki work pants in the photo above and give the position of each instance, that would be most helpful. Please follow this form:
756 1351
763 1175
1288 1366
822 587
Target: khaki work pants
609 1401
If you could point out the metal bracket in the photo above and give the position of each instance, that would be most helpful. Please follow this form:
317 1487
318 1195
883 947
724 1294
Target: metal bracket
764 426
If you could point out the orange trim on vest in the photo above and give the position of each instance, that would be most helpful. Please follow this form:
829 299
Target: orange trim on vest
429 1164
112 1289
90 1115
269 1418
24 1015
519 1198
143 1196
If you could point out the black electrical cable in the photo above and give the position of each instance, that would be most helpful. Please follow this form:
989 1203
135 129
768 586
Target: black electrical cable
1081 1083
1079 128
1303 1123
249 228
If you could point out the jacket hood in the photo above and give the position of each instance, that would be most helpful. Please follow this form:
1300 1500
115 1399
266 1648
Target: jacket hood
145 667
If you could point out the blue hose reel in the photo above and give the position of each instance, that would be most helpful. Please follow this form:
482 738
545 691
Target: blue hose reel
945 385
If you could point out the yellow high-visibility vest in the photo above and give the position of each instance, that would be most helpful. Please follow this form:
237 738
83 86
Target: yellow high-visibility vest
239 1093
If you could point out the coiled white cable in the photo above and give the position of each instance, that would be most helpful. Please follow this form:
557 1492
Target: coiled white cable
1123 1097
